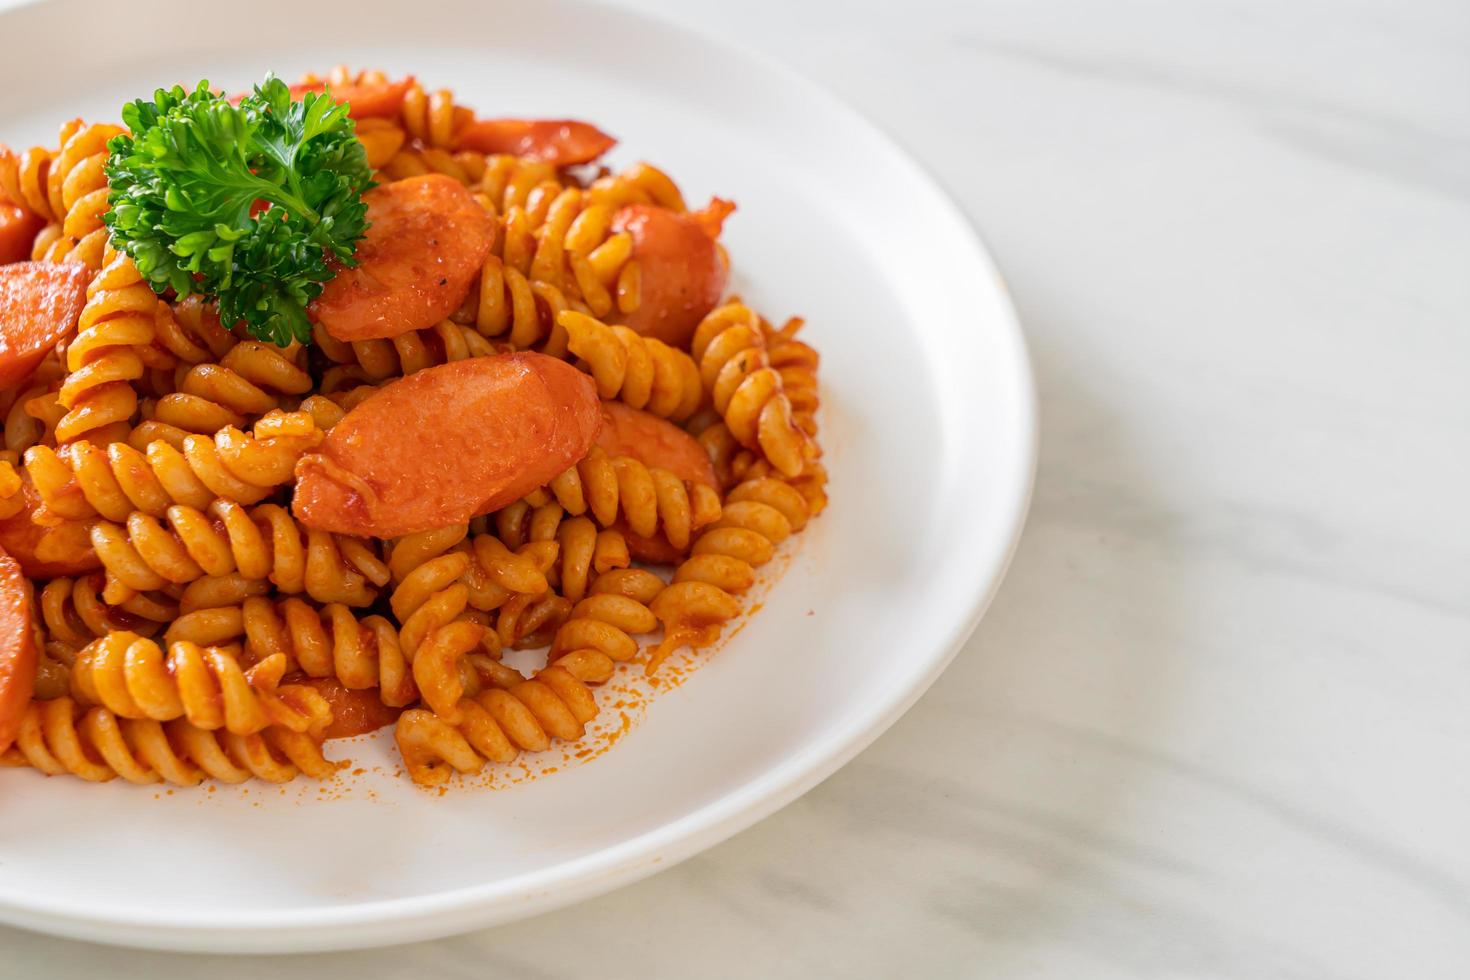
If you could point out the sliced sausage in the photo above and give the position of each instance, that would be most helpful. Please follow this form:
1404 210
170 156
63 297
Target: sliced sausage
424 247
562 142
18 228
39 305
448 443
654 442
681 273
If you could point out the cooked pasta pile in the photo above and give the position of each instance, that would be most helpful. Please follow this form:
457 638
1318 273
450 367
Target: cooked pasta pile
528 418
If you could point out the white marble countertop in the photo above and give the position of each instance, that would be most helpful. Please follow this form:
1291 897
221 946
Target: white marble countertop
1217 724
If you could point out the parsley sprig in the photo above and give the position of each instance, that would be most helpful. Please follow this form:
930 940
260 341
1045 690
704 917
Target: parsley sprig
248 203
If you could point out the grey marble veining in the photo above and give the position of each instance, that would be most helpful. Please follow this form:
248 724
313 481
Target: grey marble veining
1215 725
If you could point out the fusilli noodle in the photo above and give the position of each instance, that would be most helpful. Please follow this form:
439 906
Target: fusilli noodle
331 641
651 500
131 676
749 394
83 479
264 543
643 372
58 737
105 358
77 191
758 515
515 715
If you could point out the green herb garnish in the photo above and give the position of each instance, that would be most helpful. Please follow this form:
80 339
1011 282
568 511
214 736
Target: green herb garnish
186 180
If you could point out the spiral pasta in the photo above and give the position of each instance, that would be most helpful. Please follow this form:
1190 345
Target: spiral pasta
59 737
747 392
248 381
574 247
444 583
582 549
506 306
429 600
811 484
190 332
84 479
432 118
578 249
25 181
499 573
517 182
528 621
426 570
190 543
609 618
522 522
797 363
584 553
77 191
52 675
46 537
217 591
651 500
556 232
731 460
330 641
643 372
381 140
514 715
466 166
556 250
104 359
74 612
758 515
131 676
12 490
374 361
23 176
31 413
340 75
641 183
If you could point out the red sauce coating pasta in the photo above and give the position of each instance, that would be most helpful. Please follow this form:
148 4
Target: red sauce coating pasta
654 442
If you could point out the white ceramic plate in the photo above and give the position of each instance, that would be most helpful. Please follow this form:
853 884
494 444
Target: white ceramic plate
930 435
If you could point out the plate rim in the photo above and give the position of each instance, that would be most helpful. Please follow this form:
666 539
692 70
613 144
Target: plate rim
355 925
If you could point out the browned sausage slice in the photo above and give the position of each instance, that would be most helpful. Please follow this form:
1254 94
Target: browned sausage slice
448 443
39 304
681 274
427 240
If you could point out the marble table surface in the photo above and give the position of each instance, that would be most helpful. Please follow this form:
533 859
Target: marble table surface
1217 723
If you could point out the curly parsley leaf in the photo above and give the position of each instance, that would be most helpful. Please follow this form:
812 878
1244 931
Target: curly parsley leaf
252 204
